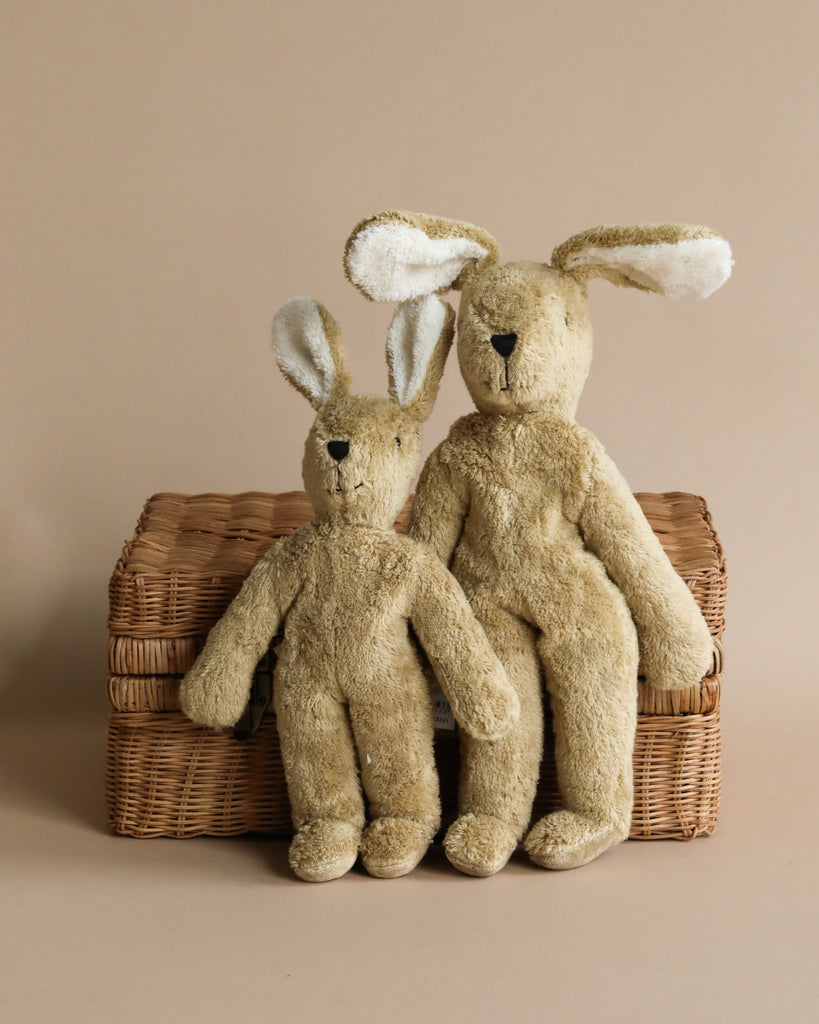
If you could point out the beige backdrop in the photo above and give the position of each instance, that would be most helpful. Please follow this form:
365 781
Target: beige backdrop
174 171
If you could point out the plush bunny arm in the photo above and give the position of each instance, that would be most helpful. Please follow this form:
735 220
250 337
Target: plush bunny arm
216 689
464 663
675 645
440 507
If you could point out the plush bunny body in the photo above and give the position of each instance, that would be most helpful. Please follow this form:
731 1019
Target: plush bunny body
539 527
350 694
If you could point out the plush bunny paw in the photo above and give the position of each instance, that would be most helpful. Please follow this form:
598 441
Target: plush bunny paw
678 665
494 715
211 698
324 849
479 844
392 847
566 839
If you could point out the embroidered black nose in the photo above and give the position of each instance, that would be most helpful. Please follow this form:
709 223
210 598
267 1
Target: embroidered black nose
338 449
504 344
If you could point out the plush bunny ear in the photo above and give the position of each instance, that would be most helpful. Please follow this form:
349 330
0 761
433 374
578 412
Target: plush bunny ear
308 348
395 256
418 343
678 260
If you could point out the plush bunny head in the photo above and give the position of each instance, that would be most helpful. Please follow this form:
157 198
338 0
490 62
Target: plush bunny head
524 333
362 452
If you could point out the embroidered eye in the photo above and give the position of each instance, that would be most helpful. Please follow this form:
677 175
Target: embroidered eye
398 442
566 319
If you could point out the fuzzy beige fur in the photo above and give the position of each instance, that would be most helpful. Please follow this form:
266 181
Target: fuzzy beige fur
350 694
543 533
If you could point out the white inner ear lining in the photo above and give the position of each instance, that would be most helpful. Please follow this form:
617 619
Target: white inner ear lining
693 267
411 340
301 348
394 261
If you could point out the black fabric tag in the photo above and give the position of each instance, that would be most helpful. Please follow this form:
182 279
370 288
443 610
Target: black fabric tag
261 693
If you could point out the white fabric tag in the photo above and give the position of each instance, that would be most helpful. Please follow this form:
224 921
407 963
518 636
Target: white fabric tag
442 712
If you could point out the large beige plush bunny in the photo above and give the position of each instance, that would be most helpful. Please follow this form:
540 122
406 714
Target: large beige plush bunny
349 690
538 525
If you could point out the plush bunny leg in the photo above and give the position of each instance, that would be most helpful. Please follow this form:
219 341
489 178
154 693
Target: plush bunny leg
499 778
398 773
591 672
322 780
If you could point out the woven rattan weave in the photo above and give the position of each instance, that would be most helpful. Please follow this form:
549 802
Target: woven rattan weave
166 776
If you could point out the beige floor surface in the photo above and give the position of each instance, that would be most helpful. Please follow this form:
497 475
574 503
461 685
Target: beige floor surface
104 928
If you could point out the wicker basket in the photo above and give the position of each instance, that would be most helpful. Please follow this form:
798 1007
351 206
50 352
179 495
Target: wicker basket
188 558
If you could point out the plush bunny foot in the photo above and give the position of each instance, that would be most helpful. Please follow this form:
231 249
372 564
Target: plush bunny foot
479 844
324 849
392 847
568 840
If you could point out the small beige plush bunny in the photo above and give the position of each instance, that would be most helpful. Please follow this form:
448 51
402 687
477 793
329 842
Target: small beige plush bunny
539 527
349 692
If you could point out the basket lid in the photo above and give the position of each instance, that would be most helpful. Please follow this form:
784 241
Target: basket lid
191 553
